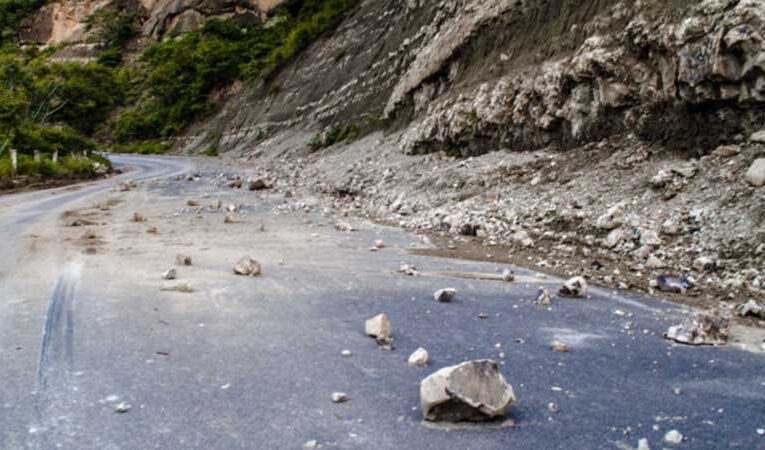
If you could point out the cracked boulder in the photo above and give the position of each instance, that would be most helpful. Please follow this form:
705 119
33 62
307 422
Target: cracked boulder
247 266
471 391
710 328
574 288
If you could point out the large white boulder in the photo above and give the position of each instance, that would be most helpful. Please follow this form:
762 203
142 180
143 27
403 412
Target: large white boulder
471 391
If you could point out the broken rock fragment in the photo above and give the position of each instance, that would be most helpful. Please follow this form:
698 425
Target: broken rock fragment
756 173
379 328
183 260
543 297
247 266
170 275
574 288
673 284
138 217
445 295
751 308
709 328
339 397
471 391
258 185
229 218
407 269
419 358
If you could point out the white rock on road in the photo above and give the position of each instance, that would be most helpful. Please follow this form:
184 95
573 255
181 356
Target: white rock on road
247 266
575 287
378 327
445 295
339 397
170 275
419 358
673 437
473 390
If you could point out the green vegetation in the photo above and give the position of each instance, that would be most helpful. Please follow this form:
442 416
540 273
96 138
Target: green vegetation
142 148
112 28
139 107
12 12
336 134
176 80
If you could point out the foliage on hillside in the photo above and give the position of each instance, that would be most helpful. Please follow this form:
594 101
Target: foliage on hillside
71 107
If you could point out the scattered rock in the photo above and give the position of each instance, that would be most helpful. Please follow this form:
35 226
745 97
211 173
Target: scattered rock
445 295
344 227
673 284
258 185
650 238
483 315
152 230
192 203
309 445
704 264
122 408
559 347
229 218
575 287
710 328
127 186
758 137
553 407
756 173
379 244
138 217
654 262
247 266
82 222
543 297
613 218
236 184
183 260
751 308
170 275
643 444
419 358
339 397
231 208
180 287
673 437
346 353
471 391
508 275
379 327
407 269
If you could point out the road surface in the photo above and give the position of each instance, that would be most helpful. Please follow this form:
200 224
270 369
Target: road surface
87 325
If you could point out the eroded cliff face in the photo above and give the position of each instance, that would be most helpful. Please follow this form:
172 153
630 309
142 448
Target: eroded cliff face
63 21
471 76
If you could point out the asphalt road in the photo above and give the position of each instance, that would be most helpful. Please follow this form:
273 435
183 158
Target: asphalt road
251 363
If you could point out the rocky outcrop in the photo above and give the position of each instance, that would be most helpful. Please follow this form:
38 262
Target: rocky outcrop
472 76
63 21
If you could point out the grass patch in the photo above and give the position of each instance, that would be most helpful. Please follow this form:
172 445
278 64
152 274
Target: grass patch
142 148
335 135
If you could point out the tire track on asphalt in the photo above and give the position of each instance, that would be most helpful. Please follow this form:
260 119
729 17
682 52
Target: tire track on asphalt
57 349
56 381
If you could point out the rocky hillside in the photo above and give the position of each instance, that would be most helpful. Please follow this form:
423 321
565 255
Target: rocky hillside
65 21
612 139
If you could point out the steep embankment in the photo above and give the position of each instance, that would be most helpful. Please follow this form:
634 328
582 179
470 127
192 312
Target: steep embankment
609 138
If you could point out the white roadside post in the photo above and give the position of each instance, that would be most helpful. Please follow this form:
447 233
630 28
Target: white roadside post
14 161
37 156
54 158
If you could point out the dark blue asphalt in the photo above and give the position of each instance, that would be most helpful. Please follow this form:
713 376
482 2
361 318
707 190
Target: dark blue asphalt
260 372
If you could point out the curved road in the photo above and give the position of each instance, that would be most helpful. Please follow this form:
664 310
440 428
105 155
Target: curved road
250 363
